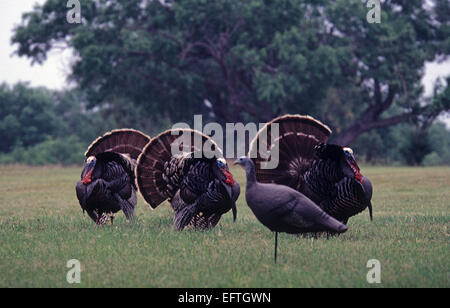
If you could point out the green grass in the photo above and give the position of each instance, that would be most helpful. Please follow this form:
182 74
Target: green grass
42 227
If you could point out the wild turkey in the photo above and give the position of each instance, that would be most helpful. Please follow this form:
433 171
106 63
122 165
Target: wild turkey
107 182
327 174
198 185
283 209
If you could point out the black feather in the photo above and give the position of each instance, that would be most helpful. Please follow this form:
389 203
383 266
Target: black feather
111 189
315 168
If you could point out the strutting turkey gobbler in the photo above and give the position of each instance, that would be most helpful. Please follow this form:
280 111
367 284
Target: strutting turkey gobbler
283 209
107 182
198 184
327 174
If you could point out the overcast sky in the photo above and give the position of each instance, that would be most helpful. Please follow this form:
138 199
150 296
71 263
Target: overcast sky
53 72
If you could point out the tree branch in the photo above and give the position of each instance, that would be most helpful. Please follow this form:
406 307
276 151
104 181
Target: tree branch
360 126
389 121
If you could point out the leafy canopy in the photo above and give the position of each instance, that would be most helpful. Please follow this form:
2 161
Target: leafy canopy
250 60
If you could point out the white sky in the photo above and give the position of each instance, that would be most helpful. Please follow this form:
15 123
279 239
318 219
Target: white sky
13 68
53 72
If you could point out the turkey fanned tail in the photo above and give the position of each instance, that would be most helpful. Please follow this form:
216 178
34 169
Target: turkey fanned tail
311 166
198 185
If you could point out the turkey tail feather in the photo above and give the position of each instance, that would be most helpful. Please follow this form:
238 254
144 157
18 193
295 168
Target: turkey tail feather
155 158
128 205
125 141
298 135
184 216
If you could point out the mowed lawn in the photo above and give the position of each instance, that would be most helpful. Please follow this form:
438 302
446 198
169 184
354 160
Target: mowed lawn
42 227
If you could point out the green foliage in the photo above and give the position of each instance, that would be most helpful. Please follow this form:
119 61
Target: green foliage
252 60
148 64
40 127
65 151
439 138
26 116
405 145
369 145
416 148
36 129
432 159
74 127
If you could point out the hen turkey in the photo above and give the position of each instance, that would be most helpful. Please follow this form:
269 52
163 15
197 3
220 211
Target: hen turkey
283 209
107 182
326 173
198 184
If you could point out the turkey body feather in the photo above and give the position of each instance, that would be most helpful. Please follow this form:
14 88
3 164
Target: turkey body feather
325 173
198 185
347 199
204 197
107 182
111 189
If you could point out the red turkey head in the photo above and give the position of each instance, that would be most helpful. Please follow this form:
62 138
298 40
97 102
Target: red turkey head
351 162
232 187
86 176
222 164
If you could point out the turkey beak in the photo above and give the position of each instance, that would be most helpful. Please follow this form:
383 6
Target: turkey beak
236 162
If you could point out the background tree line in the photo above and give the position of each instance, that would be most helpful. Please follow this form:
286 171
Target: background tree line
149 64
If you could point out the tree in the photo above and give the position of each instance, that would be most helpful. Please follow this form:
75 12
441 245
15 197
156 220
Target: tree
389 59
234 60
26 116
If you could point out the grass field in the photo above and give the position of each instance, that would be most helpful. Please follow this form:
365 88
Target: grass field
42 227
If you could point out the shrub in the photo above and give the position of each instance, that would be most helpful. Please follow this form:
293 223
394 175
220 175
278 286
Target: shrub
432 159
52 151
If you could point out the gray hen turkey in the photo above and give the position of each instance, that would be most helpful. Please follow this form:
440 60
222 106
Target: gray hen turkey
198 185
107 182
327 174
283 209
